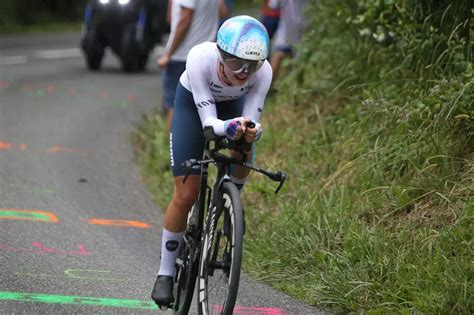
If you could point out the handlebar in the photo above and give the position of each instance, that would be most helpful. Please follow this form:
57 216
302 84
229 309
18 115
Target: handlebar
224 143
220 158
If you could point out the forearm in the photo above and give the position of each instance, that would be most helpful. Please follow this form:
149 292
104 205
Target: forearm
180 34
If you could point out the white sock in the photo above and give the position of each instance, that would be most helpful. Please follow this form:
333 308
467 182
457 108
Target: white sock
170 243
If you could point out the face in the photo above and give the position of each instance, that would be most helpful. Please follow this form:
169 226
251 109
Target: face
237 79
237 70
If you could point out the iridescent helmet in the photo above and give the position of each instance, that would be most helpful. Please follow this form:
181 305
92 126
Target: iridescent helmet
243 43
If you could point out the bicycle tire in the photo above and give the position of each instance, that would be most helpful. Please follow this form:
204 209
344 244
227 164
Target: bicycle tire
186 273
221 253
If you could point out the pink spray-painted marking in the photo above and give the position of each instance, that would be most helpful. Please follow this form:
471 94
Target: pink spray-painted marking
40 248
248 310
4 84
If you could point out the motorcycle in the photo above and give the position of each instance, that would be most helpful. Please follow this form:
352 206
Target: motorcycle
130 28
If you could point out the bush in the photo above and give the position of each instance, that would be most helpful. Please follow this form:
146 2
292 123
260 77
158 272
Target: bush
378 212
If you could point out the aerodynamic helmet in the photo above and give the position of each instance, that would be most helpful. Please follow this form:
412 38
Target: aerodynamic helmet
243 39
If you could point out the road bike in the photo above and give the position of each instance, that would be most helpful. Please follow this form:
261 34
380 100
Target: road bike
211 250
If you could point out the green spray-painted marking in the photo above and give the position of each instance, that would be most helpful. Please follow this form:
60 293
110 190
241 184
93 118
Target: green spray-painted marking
26 215
75 300
124 104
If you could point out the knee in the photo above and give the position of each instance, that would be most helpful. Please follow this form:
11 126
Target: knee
185 199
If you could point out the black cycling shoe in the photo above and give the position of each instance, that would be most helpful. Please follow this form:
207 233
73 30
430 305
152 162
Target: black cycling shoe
162 292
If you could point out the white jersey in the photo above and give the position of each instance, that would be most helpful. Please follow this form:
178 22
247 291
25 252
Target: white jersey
202 80
203 26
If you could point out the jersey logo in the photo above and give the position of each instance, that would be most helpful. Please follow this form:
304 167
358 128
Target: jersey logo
216 85
205 103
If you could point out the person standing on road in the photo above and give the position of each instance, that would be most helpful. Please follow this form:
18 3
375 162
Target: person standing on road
192 22
271 16
225 10
224 86
290 30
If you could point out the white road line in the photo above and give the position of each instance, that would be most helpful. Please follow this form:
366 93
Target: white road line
58 53
13 60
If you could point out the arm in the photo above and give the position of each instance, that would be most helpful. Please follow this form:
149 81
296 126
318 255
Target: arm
197 65
255 100
168 11
185 19
223 10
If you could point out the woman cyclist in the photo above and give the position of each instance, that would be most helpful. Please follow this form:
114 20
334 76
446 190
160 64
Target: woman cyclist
224 86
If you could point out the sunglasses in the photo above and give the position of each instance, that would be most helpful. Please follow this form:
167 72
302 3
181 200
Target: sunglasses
238 65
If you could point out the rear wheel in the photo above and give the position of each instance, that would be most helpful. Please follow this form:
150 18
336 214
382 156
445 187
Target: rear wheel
221 254
129 50
93 49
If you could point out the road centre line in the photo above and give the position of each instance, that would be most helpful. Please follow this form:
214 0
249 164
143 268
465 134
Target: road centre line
13 60
58 53
52 54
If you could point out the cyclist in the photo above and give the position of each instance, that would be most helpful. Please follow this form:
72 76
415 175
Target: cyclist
224 86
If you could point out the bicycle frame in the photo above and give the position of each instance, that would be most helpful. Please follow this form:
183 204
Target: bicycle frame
208 197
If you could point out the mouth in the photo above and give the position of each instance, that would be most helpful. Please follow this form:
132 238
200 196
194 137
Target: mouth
241 76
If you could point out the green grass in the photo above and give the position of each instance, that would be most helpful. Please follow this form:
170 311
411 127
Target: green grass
378 140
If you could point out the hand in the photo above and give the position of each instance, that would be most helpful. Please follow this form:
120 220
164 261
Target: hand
253 134
234 128
163 60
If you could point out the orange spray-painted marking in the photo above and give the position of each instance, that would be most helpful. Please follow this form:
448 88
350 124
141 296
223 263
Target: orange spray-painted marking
51 88
23 147
5 145
136 224
57 149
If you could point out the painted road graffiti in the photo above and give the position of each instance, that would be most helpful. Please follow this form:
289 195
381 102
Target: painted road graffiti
45 216
40 248
136 224
111 302
33 215
82 274
78 300
4 145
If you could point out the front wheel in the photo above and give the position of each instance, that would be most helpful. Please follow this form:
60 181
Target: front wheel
221 254
186 272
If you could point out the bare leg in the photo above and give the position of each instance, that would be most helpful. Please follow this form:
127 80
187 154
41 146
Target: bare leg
241 172
277 58
183 198
175 222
